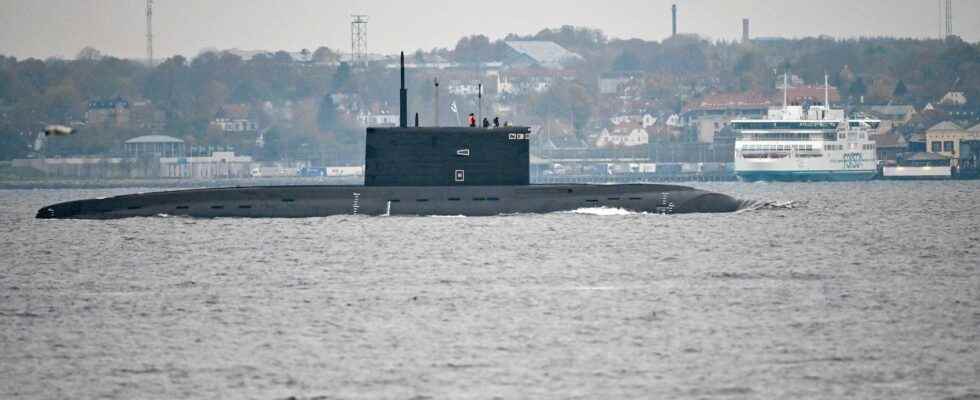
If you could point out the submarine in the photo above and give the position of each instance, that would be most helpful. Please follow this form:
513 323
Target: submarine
411 171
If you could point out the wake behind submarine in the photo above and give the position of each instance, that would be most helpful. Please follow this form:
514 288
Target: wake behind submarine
411 171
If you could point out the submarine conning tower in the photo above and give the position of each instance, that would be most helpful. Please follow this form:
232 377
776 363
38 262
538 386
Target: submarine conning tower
444 156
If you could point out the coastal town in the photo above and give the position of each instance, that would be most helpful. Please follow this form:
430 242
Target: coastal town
599 109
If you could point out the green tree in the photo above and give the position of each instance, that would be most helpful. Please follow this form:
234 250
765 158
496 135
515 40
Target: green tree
343 80
89 53
565 99
858 88
477 48
626 61
272 149
325 55
327 118
900 90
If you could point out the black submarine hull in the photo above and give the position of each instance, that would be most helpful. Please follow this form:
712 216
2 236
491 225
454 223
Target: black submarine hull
322 200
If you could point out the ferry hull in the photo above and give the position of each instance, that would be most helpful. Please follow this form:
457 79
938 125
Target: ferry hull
805 176
319 201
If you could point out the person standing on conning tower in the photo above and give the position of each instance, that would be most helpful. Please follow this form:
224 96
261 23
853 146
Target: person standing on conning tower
486 123
471 120
496 122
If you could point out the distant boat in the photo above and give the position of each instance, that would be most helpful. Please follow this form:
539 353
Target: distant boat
919 166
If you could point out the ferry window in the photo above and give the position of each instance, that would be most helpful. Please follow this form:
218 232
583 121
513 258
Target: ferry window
937 147
134 207
492 199
245 206
592 201
217 207
479 198
182 207
288 200
948 146
636 198
454 199
613 198
395 200
421 200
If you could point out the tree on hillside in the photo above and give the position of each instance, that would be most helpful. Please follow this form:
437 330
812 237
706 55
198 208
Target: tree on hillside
858 88
900 90
565 99
626 61
325 55
272 148
575 38
750 72
478 48
327 118
343 81
89 53
282 57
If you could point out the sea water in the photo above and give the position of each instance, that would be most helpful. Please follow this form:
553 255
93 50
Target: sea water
857 290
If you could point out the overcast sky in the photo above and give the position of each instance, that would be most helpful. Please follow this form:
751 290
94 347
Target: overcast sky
43 28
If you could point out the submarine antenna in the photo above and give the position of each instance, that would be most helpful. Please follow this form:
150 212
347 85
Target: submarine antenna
403 98
436 80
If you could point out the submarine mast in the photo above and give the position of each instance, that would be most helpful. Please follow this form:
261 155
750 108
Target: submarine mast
403 98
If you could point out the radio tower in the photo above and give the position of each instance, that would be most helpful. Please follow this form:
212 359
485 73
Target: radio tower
149 32
358 39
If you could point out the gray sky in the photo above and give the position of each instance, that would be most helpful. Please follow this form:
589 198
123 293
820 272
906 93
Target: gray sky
42 28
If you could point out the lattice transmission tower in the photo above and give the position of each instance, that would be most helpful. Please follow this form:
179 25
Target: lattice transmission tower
358 39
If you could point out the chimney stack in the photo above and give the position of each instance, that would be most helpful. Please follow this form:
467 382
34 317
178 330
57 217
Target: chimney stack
745 30
673 15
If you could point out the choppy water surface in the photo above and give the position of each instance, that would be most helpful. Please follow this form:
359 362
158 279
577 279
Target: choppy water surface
864 290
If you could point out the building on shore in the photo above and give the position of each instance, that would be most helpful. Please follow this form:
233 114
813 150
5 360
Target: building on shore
889 147
108 113
945 137
154 146
535 53
713 113
150 156
892 116
219 164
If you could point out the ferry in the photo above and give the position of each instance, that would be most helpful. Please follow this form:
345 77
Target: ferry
805 143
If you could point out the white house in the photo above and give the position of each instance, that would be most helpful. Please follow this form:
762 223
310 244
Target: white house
460 88
388 120
235 125
954 98
622 137
626 131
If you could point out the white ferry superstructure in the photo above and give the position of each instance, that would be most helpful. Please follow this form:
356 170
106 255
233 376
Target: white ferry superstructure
800 143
